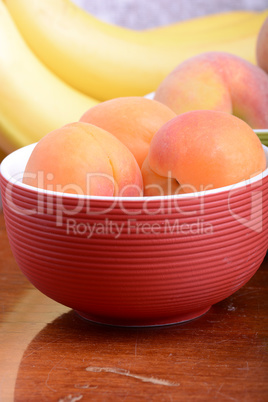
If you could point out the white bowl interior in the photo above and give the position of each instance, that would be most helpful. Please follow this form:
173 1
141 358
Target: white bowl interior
13 166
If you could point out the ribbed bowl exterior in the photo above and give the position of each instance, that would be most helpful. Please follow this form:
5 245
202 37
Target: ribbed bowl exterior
138 262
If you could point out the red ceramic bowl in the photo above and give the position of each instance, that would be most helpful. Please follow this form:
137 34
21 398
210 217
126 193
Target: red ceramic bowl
136 261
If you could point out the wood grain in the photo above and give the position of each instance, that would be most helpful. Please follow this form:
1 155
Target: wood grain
48 353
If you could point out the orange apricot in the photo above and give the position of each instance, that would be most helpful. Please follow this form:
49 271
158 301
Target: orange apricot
83 159
206 149
156 185
133 120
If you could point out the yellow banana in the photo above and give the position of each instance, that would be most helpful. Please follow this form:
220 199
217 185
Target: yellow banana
217 38
106 61
208 23
33 101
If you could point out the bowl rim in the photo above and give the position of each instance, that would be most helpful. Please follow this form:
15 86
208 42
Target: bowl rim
11 160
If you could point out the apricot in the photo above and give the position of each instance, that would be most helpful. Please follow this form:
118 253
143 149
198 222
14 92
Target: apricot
218 81
262 47
83 159
156 185
206 149
133 120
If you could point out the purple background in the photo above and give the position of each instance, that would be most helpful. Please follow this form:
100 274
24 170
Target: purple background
142 14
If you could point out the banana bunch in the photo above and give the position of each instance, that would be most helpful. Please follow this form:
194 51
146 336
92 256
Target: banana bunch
33 100
57 61
106 61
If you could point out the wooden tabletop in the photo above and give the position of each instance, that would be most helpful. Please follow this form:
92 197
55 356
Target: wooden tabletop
48 353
